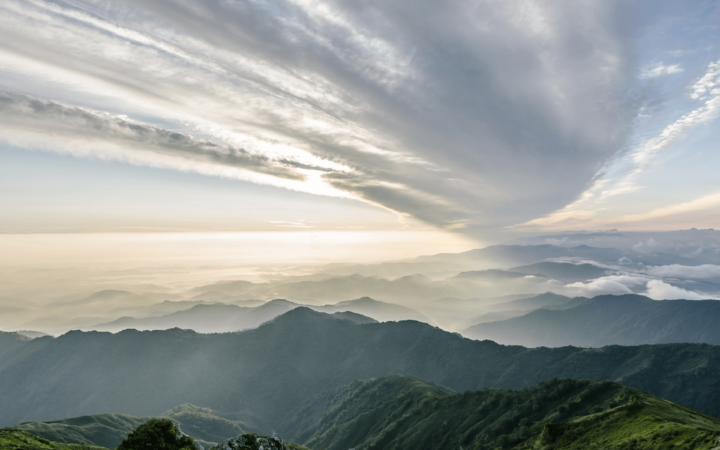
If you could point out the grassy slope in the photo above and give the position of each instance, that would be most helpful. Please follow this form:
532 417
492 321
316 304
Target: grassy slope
108 430
105 430
644 422
403 412
22 440
203 425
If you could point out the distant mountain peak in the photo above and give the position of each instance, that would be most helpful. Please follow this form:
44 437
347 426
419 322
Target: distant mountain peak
300 313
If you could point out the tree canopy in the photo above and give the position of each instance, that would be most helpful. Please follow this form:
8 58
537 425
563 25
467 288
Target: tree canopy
157 434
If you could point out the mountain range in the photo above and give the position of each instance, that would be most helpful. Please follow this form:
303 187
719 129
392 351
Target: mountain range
269 371
608 320
221 317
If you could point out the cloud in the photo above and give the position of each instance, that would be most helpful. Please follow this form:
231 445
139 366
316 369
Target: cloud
659 290
25 114
445 111
660 69
703 271
613 285
620 176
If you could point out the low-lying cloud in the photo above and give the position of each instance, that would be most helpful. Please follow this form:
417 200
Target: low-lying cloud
660 290
610 285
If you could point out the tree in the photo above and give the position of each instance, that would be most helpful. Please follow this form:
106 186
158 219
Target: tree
157 434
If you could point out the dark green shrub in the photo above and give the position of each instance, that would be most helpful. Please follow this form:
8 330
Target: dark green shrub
157 434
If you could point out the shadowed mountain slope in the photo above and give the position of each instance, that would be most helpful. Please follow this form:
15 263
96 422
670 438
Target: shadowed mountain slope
270 370
354 317
609 320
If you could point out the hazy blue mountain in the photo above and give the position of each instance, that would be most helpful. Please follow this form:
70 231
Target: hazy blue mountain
392 269
210 295
452 313
405 413
490 274
694 246
235 287
380 311
609 320
562 271
162 308
506 256
520 307
548 300
221 317
31 334
204 318
409 287
270 370
492 317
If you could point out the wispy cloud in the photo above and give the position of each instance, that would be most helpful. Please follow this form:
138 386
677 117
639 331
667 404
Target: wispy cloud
660 69
446 114
622 175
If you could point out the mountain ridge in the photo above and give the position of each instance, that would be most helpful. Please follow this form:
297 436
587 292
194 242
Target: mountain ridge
301 353
628 319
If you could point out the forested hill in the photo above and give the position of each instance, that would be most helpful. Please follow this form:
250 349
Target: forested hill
405 413
270 370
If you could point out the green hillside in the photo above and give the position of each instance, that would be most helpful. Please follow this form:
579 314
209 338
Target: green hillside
104 430
22 440
405 413
203 425
108 430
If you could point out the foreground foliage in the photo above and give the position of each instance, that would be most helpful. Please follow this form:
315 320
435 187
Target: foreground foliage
22 440
157 434
256 442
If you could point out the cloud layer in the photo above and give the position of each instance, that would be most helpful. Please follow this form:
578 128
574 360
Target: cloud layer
463 114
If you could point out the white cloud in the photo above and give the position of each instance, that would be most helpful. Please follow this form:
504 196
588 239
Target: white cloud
703 271
613 285
446 114
659 290
621 174
660 69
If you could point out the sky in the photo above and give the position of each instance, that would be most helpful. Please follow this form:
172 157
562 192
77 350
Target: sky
426 124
